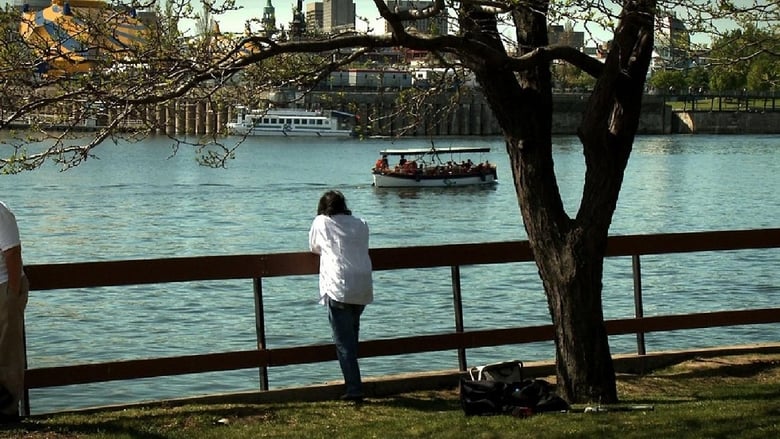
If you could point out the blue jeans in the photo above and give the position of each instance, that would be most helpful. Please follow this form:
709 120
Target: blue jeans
344 320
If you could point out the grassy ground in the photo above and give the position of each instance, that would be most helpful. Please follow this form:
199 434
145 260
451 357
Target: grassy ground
727 397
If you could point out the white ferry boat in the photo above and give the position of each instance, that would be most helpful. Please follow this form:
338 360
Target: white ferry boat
292 122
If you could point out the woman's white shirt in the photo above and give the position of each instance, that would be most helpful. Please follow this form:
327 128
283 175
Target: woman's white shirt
345 266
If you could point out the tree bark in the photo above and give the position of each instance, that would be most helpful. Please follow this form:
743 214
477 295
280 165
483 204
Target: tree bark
569 253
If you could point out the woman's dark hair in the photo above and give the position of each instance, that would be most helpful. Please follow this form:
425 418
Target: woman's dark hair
333 203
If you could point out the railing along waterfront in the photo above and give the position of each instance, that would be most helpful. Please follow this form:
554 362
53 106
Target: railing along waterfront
257 267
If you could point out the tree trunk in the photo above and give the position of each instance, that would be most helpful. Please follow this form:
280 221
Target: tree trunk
569 253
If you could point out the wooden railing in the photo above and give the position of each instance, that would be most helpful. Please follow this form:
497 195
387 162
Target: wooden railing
257 267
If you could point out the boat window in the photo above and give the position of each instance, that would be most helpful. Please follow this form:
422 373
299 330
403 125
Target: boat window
273 120
319 122
297 121
289 121
265 120
304 121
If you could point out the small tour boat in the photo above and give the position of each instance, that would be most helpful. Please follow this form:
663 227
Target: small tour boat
292 122
426 168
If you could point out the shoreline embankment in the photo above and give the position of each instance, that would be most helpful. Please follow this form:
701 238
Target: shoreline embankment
380 114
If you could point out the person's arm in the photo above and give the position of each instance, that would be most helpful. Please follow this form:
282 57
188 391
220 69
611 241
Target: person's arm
314 245
13 263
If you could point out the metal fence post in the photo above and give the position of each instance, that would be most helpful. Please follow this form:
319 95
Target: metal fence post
457 300
260 327
638 307
26 397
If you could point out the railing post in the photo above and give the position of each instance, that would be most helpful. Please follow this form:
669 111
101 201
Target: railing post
638 307
260 327
457 300
26 396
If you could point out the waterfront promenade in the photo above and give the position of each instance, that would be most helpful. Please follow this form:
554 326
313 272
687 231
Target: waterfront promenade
135 203
97 274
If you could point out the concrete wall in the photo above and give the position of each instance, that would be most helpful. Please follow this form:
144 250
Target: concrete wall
380 114
470 115
568 111
724 122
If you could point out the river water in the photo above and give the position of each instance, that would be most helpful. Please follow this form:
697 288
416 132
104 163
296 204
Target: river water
136 201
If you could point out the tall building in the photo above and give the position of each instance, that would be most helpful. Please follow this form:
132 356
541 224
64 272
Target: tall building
338 15
672 43
566 36
435 26
314 19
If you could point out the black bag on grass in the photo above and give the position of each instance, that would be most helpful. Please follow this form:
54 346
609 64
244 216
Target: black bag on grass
483 397
538 395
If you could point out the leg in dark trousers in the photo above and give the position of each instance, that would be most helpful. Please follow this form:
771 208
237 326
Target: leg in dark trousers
345 322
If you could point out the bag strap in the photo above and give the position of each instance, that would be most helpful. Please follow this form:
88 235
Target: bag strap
476 373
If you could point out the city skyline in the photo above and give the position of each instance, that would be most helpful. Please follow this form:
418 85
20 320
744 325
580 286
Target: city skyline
235 21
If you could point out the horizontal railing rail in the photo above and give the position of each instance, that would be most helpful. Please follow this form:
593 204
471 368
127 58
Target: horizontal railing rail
202 268
187 269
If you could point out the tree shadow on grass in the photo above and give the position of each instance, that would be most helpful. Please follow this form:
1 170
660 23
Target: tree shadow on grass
143 423
430 401
32 429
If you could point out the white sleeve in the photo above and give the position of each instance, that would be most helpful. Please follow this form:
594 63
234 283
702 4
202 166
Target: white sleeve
314 233
9 231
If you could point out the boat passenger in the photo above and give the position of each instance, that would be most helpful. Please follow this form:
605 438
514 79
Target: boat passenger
402 162
381 163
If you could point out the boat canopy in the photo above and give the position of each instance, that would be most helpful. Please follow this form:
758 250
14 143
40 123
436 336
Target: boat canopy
341 113
420 151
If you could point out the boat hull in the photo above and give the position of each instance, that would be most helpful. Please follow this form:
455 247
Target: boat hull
292 122
408 180
243 130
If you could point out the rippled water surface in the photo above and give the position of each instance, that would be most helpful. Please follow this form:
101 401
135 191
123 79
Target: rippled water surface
137 202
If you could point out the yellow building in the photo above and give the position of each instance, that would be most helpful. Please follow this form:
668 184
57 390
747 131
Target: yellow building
72 36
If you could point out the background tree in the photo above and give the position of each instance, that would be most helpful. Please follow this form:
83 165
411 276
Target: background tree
764 74
503 43
698 78
746 57
668 81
